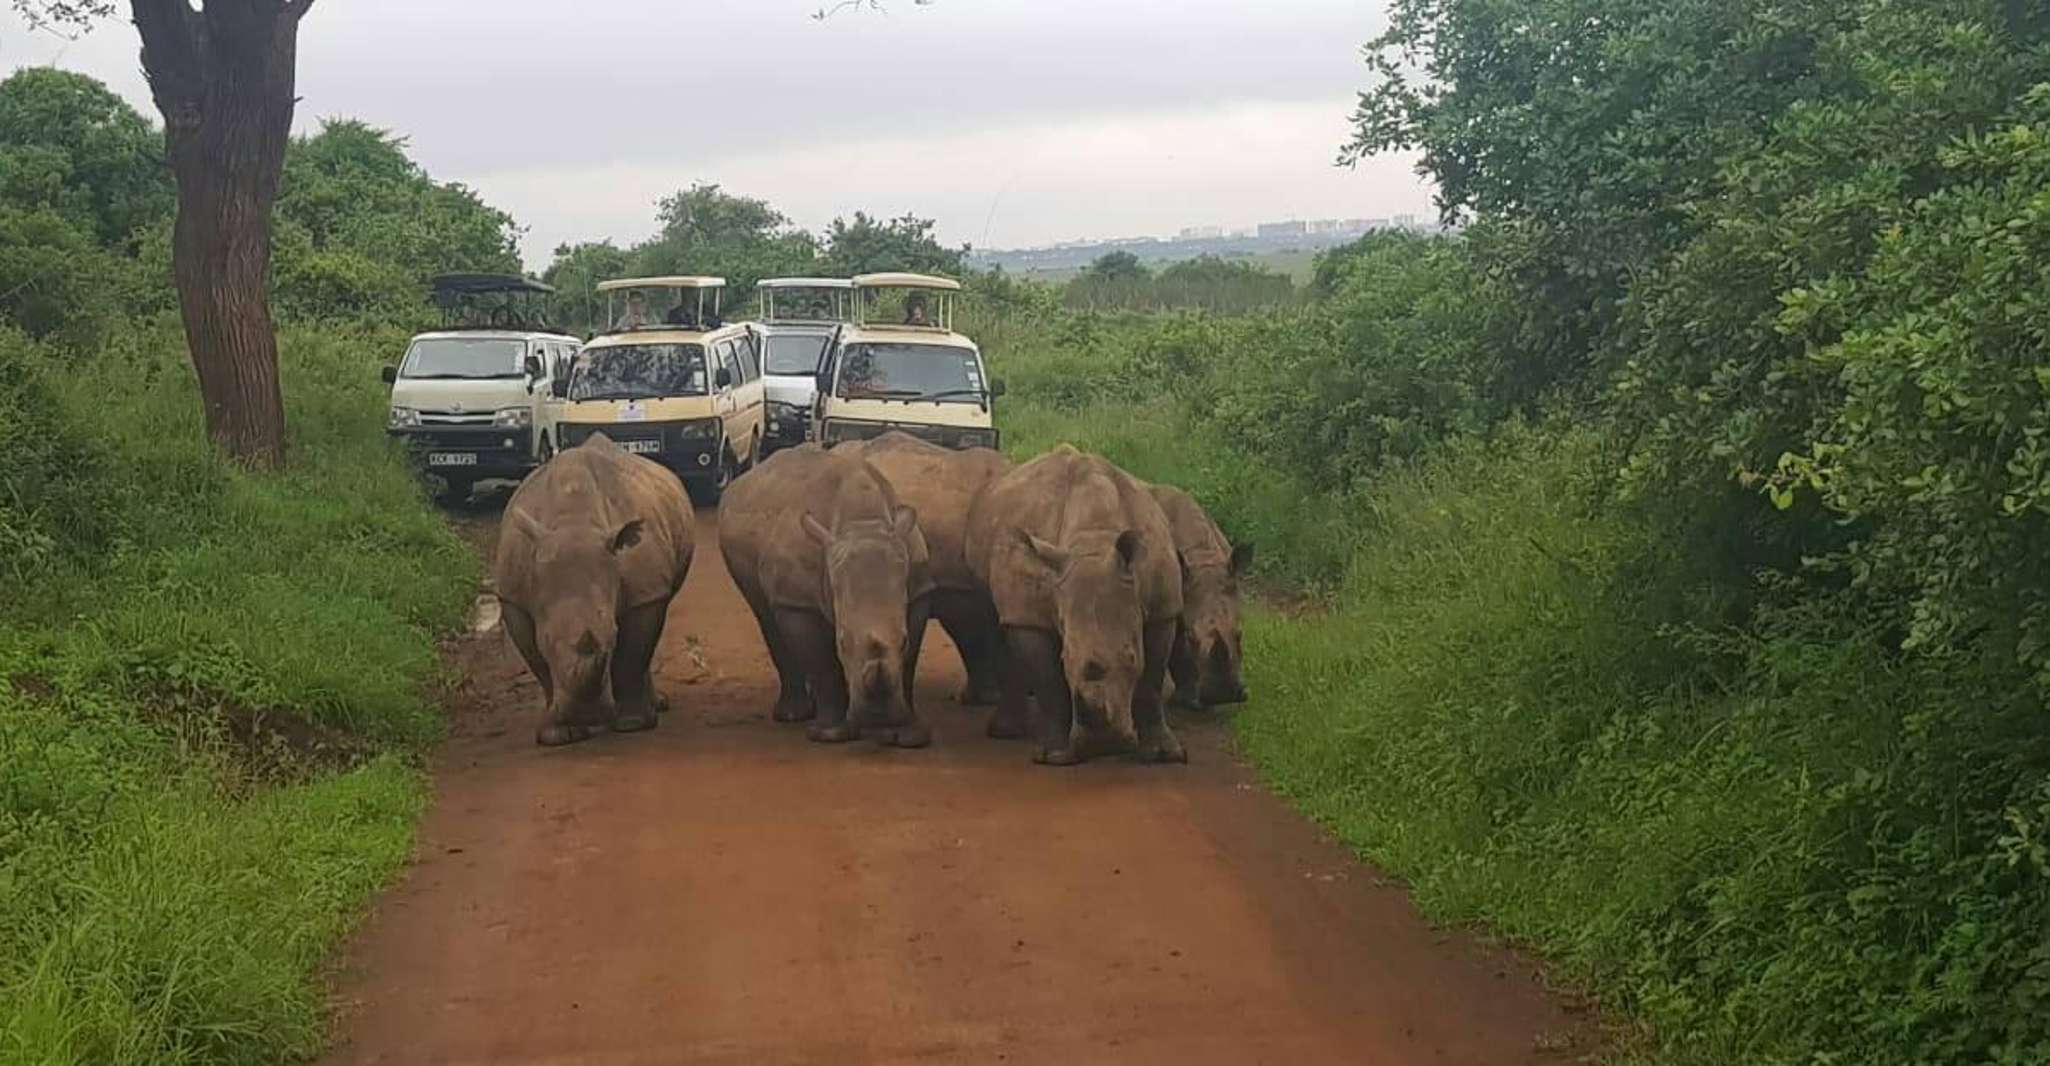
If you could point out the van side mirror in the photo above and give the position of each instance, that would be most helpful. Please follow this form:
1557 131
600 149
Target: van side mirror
391 375
723 378
996 387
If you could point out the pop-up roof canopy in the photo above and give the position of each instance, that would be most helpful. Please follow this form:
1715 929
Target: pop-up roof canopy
868 301
686 281
471 284
804 283
906 281
690 289
803 301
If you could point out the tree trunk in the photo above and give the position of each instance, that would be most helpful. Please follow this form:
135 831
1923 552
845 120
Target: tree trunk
223 77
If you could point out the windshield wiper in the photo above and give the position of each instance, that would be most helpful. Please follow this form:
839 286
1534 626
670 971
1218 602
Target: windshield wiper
464 377
945 393
886 394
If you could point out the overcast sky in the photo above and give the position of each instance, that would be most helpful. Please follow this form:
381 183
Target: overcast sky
1011 122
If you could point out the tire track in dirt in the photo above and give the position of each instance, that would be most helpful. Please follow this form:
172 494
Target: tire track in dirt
722 891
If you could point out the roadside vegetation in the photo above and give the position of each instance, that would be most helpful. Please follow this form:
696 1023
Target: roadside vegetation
213 683
1677 533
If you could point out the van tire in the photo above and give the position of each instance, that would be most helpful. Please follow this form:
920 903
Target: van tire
455 491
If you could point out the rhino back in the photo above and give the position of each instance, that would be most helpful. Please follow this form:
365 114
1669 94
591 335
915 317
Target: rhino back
1057 497
941 484
599 487
1192 527
763 516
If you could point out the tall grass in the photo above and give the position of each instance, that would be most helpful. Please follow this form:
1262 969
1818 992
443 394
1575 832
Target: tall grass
1761 831
166 894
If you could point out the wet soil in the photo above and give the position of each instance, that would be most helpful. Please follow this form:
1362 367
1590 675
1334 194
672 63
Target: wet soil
722 891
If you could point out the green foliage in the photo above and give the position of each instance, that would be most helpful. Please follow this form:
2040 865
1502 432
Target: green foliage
167 893
71 147
868 245
706 230
1818 853
359 228
1117 281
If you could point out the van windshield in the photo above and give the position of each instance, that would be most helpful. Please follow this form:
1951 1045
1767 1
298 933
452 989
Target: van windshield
795 353
910 372
638 372
465 357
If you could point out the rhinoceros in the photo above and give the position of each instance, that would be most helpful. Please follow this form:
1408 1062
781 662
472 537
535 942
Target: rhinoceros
940 484
593 547
837 574
1080 563
1208 661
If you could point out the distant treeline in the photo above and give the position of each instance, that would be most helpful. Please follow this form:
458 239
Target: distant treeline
1118 281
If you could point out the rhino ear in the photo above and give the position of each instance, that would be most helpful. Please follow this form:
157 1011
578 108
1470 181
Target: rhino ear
1241 558
628 536
815 530
1128 547
1053 555
904 522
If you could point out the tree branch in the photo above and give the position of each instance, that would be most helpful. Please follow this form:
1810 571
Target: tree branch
171 57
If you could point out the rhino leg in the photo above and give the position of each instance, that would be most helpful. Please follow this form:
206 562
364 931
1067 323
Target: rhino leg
1035 659
913 732
556 730
810 644
1181 666
1012 719
793 702
974 630
1157 742
519 626
633 682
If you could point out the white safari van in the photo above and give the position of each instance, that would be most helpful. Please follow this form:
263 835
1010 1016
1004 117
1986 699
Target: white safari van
900 365
466 399
795 322
666 379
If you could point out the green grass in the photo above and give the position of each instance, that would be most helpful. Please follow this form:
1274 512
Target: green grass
1761 838
167 894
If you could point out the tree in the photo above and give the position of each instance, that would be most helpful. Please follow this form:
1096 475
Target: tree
867 245
69 145
1118 266
223 77
706 230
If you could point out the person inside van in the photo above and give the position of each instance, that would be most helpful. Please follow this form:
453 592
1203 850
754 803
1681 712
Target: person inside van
914 310
636 314
682 314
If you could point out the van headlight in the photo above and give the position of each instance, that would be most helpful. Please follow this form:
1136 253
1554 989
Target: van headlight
700 429
403 418
514 418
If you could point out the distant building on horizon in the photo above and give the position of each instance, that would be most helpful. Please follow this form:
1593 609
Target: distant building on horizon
1272 230
1200 233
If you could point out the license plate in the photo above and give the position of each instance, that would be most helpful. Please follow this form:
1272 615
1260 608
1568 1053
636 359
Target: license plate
451 459
643 446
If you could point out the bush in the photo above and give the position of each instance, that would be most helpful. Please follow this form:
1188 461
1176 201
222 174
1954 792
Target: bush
167 891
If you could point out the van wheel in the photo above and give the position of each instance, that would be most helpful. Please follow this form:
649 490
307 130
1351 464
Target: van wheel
455 491
754 454
707 491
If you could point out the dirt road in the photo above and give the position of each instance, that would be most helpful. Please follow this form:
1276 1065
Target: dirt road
722 891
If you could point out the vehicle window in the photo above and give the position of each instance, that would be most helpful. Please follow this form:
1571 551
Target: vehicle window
639 371
729 361
795 353
564 355
750 362
909 372
464 357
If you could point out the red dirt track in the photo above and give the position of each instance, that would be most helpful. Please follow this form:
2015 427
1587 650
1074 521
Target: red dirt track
723 891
